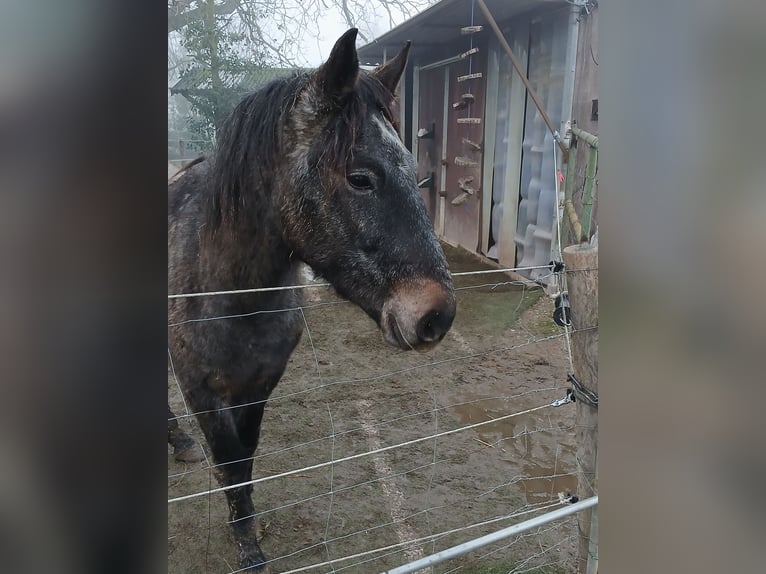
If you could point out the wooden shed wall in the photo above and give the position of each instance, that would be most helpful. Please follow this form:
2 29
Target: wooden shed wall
462 222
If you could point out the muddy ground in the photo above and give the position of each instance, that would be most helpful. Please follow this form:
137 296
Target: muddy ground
350 393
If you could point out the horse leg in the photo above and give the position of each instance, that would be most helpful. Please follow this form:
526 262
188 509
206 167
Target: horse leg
234 465
184 447
241 507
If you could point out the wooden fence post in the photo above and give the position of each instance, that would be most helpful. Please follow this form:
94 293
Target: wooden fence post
582 284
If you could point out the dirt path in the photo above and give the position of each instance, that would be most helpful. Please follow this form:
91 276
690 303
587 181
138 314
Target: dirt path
364 396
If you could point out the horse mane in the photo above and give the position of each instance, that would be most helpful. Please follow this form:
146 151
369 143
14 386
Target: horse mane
249 150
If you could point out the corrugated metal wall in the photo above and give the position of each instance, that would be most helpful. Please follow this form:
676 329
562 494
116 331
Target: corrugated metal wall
500 163
508 128
547 66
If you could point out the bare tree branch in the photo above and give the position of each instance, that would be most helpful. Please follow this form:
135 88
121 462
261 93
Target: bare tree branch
350 19
274 27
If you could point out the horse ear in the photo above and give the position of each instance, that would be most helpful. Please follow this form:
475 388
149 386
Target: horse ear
337 76
390 73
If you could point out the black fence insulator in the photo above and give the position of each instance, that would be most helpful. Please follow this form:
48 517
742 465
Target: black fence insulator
562 311
557 266
581 393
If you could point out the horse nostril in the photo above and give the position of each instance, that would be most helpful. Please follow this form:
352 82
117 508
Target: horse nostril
434 325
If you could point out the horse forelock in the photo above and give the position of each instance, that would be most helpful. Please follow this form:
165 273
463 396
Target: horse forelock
327 130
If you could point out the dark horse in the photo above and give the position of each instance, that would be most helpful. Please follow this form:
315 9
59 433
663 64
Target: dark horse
308 169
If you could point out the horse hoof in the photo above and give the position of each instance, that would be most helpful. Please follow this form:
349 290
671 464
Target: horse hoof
189 453
256 566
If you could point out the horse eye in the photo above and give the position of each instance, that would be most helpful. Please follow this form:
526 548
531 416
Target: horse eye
360 181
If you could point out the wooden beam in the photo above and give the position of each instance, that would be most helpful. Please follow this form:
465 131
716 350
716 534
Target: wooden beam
569 190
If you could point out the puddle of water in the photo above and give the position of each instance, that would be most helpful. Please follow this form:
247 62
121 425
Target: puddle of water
533 454
480 412
509 431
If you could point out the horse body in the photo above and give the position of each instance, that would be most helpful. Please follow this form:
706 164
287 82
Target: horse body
240 348
310 169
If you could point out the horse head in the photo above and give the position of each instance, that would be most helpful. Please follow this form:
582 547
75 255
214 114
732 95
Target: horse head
350 205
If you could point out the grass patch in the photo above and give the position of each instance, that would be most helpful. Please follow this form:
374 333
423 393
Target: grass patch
545 327
496 310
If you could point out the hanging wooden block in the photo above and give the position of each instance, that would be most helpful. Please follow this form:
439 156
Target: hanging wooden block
468 53
471 144
459 199
427 133
465 161
470 29
465 99
427 182
469 120
469 77
463 182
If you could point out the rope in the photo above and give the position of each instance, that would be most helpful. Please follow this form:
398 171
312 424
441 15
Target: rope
561 275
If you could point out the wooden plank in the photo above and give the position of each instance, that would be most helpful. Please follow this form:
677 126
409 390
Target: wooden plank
460 199
465 99
471 144
469 77
463 161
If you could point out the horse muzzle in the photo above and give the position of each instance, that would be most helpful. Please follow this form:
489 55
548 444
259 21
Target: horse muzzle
417 314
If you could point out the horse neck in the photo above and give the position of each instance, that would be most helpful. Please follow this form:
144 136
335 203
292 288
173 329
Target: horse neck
253 252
